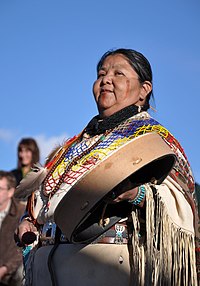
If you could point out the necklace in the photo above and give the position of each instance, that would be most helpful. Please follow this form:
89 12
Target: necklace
99 125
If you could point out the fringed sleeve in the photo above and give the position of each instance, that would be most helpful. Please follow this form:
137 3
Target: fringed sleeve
167 257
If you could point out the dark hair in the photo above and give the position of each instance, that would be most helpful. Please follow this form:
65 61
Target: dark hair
30 144
139 64
11 181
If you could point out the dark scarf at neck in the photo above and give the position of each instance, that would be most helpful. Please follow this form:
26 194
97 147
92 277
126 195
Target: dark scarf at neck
99 125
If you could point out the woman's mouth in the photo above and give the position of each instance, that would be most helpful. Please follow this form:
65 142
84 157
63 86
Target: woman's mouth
104 91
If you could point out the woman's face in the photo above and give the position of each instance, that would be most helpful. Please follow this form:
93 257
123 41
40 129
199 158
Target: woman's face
117 86
25 156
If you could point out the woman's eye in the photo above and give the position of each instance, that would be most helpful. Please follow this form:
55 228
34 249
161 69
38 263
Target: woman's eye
119 73
101 74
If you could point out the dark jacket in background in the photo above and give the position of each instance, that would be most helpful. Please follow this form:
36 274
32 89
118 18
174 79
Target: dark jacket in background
18 175
10 254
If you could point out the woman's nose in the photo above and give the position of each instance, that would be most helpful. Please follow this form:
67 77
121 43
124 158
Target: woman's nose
107 79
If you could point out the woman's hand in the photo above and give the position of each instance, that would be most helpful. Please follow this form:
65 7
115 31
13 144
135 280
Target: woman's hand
127 195
25 226
125 192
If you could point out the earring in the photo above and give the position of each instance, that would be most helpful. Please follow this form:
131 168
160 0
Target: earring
139 108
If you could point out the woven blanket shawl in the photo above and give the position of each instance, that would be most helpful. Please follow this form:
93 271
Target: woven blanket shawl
90 151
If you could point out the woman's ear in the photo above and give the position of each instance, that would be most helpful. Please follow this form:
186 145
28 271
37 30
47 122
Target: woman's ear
146 88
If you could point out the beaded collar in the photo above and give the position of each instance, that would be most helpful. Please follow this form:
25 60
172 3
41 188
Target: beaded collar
99 125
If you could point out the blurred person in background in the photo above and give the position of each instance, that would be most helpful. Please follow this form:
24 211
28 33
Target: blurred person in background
11 269
28 155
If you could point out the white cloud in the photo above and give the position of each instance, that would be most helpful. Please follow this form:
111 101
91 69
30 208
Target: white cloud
46 144
6 135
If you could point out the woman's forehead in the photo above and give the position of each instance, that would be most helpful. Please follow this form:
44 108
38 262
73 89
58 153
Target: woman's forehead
115 61
24 148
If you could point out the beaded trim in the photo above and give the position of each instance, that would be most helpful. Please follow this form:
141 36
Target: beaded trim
73 162
139 197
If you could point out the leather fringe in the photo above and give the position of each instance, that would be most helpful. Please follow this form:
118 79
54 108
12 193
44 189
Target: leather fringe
167 256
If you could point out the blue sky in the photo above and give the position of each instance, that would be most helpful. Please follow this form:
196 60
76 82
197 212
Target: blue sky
48 55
